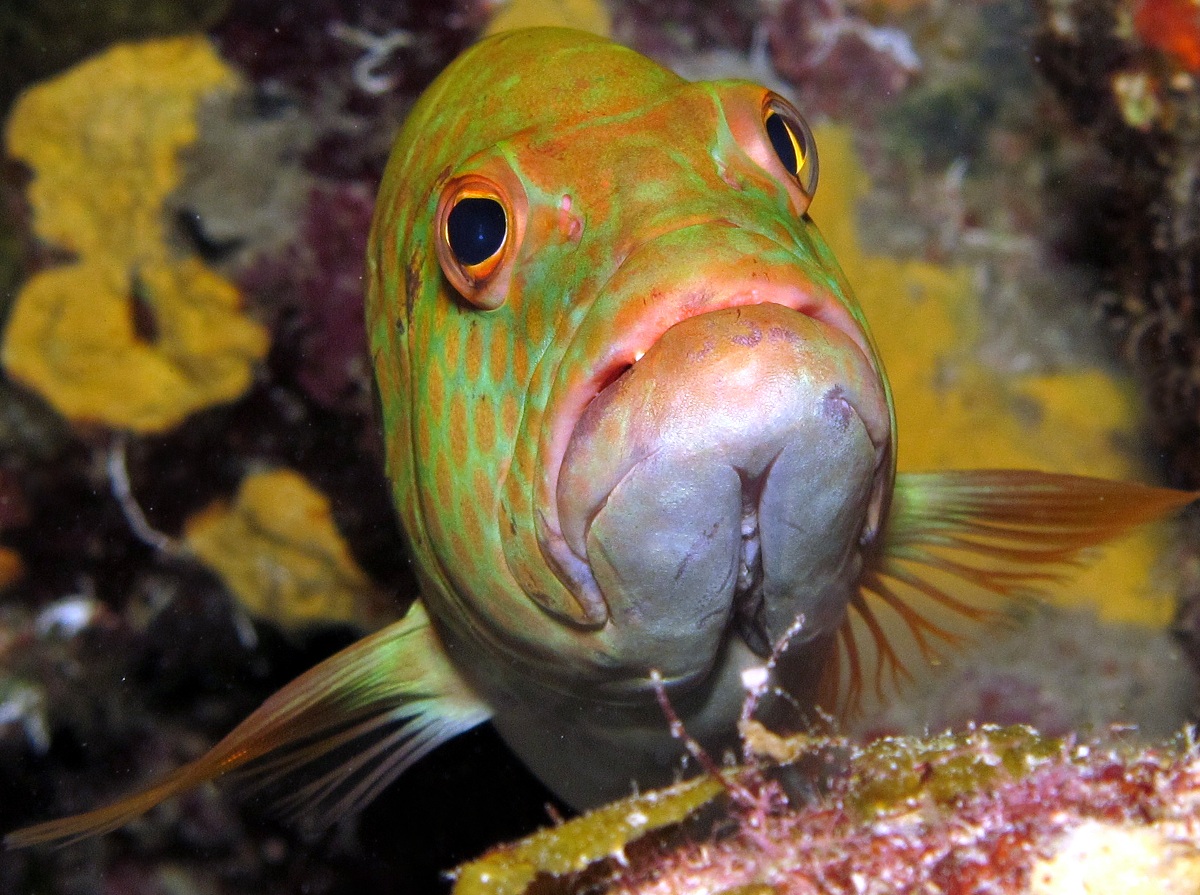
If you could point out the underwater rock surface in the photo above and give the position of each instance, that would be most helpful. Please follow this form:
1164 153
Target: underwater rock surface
997 810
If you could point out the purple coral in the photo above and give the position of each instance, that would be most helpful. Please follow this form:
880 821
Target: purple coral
317 286
354 66
841 63
302 43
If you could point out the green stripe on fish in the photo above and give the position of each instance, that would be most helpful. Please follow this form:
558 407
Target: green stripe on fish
635 421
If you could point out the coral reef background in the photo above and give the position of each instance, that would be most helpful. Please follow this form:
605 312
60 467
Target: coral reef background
1011 186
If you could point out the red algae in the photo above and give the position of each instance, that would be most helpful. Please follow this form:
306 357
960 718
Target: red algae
987 838
841 63
1172 26
316 284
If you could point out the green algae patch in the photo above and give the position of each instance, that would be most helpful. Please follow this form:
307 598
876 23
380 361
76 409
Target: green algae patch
580 843
896 772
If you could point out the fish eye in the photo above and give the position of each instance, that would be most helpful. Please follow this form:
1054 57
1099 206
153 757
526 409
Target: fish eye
476 229
793 143
784 142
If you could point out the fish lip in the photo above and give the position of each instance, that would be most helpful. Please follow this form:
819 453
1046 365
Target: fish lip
877 429
823 306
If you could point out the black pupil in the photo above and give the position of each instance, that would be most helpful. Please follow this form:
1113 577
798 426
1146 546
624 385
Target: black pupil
475 229
781 139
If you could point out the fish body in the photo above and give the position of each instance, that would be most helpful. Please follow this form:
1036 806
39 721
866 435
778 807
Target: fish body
635 424
623 243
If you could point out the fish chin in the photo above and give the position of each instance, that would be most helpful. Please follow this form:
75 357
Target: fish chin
722 484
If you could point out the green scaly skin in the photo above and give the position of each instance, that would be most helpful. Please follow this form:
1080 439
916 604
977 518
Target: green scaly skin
465 392
470 397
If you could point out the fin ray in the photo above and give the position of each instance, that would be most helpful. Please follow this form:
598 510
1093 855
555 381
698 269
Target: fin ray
962 549
396 678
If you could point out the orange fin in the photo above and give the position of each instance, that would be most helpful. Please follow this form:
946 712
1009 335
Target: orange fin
960 548
370 711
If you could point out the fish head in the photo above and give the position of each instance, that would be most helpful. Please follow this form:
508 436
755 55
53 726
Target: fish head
633 411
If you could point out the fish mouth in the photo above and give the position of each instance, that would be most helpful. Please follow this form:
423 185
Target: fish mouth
630 345
830 318
694 408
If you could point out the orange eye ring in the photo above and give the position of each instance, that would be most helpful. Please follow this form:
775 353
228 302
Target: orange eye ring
476 230
792 142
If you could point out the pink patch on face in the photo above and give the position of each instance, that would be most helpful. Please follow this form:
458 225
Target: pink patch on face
569 225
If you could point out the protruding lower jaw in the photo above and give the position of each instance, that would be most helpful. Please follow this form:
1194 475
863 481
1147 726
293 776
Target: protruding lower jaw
723 482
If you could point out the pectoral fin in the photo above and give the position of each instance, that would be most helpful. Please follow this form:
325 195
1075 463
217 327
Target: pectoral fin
360 718
958 549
